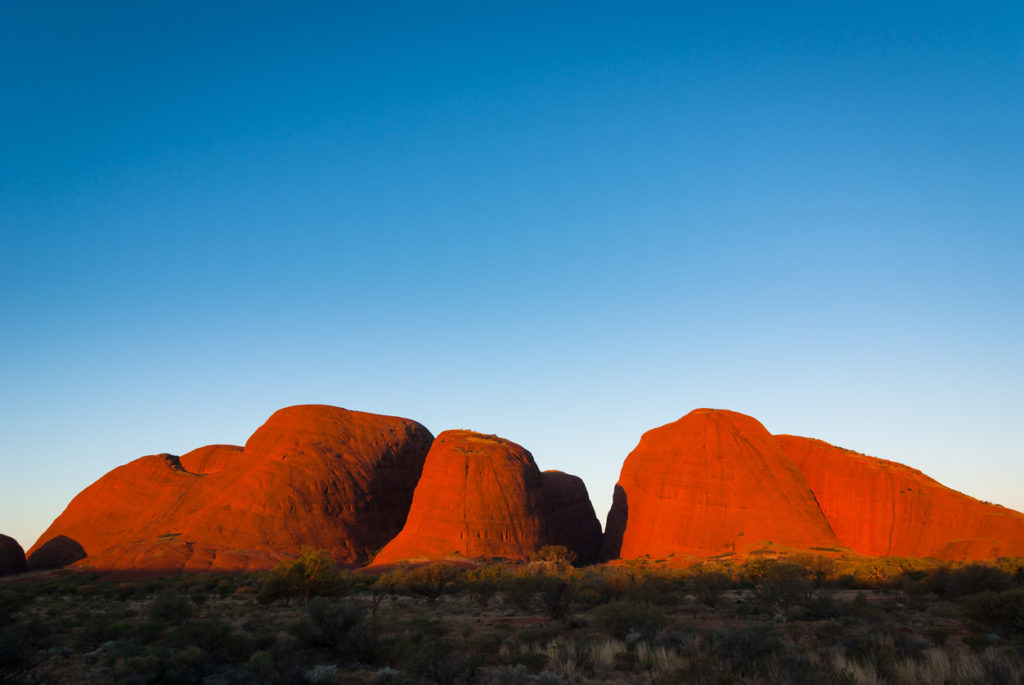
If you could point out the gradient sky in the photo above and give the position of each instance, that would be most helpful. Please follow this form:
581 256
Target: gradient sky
564 225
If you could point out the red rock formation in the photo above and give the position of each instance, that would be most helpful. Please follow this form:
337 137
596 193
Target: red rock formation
714 481
483 496
58 552
311 475
879 507
212 459
12 556
570 515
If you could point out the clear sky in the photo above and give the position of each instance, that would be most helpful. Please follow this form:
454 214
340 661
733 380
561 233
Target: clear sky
561 223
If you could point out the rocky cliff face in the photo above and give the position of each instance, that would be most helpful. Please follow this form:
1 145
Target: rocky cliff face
311 475
12 556
880 508
483 496
714 481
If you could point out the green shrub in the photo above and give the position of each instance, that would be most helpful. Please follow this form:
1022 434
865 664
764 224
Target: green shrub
1003 611
622 618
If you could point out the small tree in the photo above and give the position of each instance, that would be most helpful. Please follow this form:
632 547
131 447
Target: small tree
387 584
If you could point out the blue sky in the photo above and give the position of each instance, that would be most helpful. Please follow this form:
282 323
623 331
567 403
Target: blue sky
565 225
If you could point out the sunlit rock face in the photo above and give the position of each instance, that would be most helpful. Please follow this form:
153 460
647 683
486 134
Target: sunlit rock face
713 482
483 496
312 475
12 556
882 508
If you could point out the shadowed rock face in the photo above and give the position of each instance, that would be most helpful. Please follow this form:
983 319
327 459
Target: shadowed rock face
481 495
879 507
570 515
12 556
714 481
58 552
311 475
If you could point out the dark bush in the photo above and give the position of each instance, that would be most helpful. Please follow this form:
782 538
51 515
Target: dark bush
171 607
1003 611
340 628
432 580
558 595
708 586
622 617
747 647
777 585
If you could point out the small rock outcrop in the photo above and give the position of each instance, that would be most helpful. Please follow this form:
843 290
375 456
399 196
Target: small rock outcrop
714 481
483 496
882 508
312 475
57 552
12 556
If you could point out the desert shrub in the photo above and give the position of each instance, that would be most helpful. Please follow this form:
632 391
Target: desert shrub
860 608
777 584
655 586
384 586
171 607
11 602
483 582
311 575
520 591
1003 611
747 647
524 661
19 644
432 580
338 627
622 618
817 568
558 594
592 590
975 578
214 636
429 655
708 586
555 554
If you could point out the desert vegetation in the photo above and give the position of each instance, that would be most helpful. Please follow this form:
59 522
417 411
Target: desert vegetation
770 618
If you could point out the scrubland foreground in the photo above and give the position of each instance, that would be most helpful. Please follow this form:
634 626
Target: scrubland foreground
795 619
